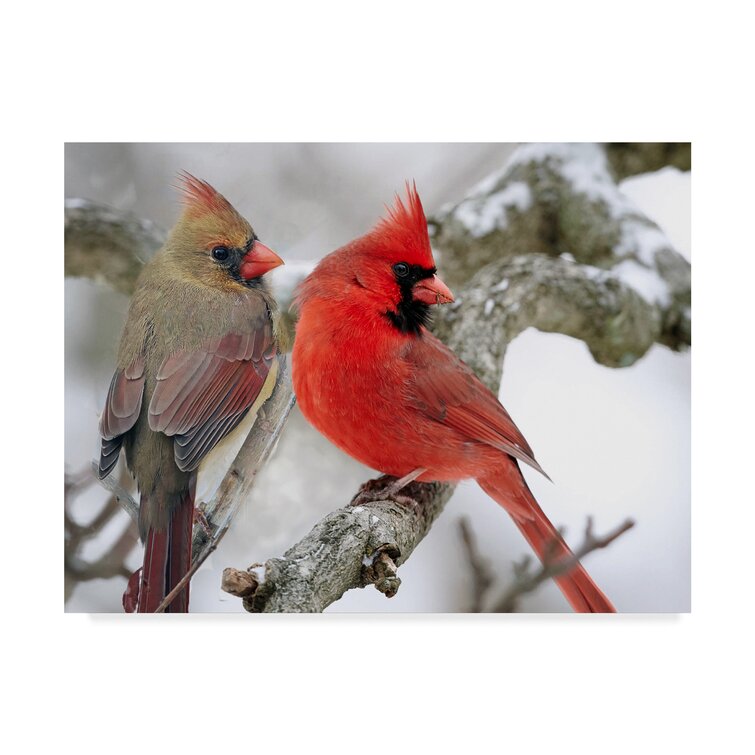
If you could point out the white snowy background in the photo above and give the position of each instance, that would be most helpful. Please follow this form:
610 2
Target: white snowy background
616 442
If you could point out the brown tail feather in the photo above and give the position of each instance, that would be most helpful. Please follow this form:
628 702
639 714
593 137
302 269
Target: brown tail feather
583 594
167 558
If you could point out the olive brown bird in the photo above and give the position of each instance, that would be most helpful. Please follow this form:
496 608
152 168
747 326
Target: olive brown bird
197 358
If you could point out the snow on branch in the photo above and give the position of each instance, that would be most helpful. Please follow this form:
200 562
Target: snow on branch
561 200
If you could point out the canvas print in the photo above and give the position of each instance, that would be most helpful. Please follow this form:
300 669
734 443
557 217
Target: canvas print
377 377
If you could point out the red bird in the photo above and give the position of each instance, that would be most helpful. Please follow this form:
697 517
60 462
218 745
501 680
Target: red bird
363 358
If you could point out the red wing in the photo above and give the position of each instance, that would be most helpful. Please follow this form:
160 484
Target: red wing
122 407
202 395
447 390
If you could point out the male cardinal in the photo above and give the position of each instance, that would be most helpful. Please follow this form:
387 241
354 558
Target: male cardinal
197 358
370 377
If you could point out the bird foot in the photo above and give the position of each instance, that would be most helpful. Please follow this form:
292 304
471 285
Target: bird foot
201 520
383 488
131 595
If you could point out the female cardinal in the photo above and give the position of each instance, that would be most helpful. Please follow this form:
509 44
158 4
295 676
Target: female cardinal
197 357
370 377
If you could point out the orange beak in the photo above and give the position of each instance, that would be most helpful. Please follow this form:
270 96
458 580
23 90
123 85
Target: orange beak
433 291
258 261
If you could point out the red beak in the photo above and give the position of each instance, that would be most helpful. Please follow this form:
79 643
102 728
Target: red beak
432 291
258 261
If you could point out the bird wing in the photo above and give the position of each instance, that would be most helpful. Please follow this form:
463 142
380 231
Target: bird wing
446 390
122 407
202 395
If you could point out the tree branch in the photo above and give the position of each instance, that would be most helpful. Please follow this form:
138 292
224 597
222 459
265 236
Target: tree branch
482 575
630 158
111 563
351 547
252 456
107 245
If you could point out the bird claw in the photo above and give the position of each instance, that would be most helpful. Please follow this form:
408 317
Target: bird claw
383 488
131 595
202 521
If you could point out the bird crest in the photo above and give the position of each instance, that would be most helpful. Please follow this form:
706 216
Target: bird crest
200 198
208 217
403 231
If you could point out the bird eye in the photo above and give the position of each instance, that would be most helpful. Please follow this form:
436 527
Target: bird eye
401 269
220 253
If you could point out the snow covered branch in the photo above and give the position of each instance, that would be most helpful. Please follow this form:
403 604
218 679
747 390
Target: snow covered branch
561 201
548 242
553 295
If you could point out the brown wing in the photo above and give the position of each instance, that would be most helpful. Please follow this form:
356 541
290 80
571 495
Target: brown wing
447 390
122 407
202 395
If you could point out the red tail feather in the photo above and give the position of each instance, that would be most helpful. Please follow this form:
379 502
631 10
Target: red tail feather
154 571
577 586
583 594
179 555
167 558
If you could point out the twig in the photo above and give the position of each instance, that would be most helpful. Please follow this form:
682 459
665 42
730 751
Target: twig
196 563
482 575
111 563
120 495
525 581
